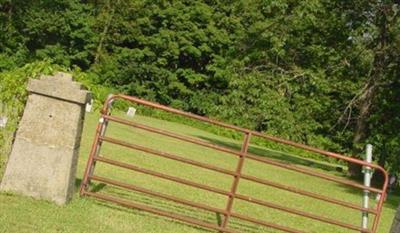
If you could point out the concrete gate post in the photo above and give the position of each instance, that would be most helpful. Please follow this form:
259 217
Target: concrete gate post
44 156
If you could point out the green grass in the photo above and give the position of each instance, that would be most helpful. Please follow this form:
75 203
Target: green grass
21 214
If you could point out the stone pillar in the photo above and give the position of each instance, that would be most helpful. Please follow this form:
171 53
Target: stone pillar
44 156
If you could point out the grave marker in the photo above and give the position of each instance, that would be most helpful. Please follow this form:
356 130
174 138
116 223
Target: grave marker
131 112
3 121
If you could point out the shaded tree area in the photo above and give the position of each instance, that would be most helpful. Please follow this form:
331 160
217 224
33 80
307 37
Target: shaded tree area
324 73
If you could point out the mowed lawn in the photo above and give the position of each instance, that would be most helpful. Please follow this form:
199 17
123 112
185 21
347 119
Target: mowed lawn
21 214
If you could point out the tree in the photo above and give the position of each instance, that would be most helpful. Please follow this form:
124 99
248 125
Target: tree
318 72
377 32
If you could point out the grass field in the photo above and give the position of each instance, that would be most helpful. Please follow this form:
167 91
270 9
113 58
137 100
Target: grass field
21 214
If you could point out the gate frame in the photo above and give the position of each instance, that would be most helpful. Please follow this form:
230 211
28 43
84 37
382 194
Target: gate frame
95 156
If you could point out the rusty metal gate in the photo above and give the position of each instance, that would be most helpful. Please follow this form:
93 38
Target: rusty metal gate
236 175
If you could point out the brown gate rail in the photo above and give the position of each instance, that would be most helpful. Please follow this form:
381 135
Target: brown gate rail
237 174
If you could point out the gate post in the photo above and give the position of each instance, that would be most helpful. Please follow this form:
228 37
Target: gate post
44 156
100 132
235 184
367 182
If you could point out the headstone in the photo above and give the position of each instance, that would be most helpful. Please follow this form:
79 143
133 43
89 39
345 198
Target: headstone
131 112
392 183
89 106
3 121
43 160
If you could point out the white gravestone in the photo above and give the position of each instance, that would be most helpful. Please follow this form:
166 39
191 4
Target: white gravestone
3 121
131 112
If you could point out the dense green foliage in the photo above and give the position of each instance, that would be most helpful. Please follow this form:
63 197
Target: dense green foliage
324 73
13 96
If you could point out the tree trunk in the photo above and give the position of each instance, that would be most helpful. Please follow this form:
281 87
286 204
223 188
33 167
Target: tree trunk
361 130
105 31
10 11
378 177
367 98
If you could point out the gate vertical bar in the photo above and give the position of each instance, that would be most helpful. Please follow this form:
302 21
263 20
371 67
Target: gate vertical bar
245 147
99 143
100 131
367 182
106 112
95 149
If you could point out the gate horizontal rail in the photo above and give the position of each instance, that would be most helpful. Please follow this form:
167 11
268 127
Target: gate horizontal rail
221 170
227 150
237 175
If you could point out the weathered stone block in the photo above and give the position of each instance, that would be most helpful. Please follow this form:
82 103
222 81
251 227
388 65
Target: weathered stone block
44 157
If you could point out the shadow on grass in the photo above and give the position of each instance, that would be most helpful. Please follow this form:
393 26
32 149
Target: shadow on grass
167 206
144 214
93 187
78 182
241 226
392 201
283 157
